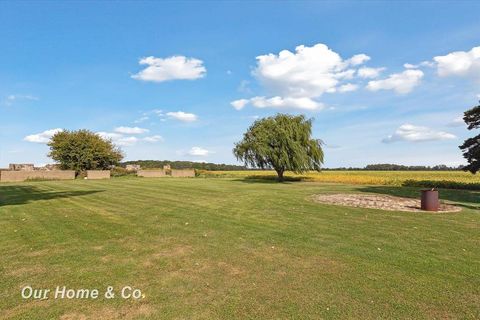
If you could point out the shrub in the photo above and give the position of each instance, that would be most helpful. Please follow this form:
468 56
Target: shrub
441 184
40 179
121 172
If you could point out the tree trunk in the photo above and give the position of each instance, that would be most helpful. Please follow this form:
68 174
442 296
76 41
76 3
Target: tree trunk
280 174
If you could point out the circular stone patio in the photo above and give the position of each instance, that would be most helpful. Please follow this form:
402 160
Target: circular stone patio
382 202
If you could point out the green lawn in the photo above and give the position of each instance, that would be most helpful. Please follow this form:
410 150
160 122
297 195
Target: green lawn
234 249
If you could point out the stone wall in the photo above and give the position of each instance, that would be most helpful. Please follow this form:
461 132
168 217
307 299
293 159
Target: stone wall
151 173
183 173
15 176
98 174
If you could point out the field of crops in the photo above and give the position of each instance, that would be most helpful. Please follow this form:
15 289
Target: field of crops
394 178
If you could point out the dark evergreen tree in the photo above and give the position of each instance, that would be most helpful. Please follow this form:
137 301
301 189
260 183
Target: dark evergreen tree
471 147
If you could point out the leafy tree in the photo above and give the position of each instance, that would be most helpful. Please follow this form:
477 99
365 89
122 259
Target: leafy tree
471 147
83 150
282 142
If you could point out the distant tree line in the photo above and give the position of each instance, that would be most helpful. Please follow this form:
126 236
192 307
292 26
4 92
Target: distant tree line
399 167
149 164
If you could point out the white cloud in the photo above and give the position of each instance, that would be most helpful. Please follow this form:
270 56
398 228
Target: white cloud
118 139
130 130
11 99
369 72
42 137
171 68
279 103
459 63
244 87
183 116
178 115
126 141
198 151
141 119
22 96
347 87
109 135
358 59
308 72
408 132
155 138
239 104
419 65
160 114
399 82
298 79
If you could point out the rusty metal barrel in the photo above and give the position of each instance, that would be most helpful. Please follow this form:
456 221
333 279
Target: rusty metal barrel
430 200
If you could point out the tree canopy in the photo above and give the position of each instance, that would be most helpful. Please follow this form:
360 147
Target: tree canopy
146 164
282 142
471 147
83 150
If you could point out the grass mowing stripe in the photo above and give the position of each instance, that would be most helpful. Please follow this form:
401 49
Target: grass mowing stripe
227 248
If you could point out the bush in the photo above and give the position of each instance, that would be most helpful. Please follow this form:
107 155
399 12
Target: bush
121 172
40 179
81 174
441 184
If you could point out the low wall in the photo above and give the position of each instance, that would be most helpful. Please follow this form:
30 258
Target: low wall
183 173
98 174
151 173
13 176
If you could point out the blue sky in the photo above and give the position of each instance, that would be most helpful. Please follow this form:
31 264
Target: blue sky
385 82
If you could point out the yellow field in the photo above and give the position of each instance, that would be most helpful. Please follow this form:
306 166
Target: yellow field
362 177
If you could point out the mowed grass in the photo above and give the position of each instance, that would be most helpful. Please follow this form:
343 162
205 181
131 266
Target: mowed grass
205 248
395 178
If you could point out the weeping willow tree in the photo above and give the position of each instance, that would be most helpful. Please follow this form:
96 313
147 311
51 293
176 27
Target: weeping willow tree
471 147
282 143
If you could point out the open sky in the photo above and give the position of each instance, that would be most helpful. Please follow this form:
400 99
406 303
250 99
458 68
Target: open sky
385 82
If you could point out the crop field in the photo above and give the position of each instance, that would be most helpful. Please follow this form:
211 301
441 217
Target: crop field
230 248
393 178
